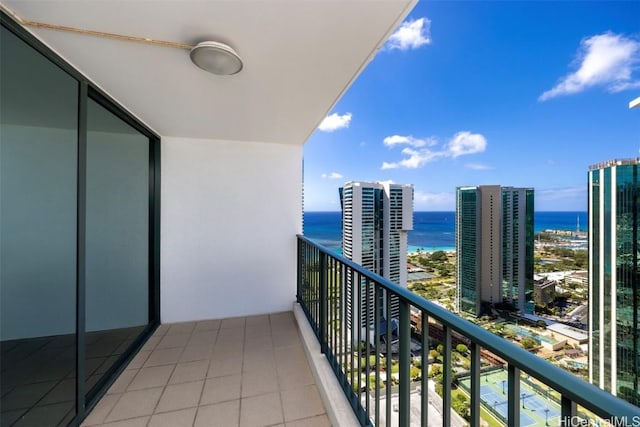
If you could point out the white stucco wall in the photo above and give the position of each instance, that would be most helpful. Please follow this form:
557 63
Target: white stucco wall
230 214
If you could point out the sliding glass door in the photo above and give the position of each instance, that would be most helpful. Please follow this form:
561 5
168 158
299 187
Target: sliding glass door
38 206
79 209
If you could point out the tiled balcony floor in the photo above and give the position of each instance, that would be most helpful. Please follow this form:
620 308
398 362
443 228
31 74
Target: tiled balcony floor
232 372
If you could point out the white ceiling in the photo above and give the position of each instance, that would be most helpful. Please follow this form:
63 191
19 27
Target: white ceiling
299 57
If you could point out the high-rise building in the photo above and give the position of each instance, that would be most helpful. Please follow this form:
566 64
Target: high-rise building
376 218
614 282
494 248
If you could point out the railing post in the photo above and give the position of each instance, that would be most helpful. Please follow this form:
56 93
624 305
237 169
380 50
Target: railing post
475 385
446 376
300 244
568 410
513 399
322 321
404 407
424 355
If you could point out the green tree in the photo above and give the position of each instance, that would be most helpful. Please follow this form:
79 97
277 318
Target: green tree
462 349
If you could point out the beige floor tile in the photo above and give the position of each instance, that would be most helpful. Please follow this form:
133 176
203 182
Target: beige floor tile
162 329
321 421
165 356
203 338
230 337
285 338
221 389
234 350
189 371
120 385
101 410
259 382
193 353
233 322
303 402
257 342
208 325
182 418
139 359
258 360
173 341
294 375
225 365
181 328
135 404
133 422
225 414
180 396
290 355
156 376
152 342
263 410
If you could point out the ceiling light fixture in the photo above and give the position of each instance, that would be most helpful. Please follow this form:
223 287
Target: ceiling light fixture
216 58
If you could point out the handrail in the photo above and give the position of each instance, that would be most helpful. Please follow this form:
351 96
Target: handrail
569 386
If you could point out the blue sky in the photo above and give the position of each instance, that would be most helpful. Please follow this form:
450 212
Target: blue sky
525 94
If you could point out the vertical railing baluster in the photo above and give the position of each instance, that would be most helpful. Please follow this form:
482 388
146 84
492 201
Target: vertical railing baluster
446 376
387 310
322 296
367 346
513 401
475 385
352 330
299 249
376 328
358 347
424 356
404 330
344 308
568 411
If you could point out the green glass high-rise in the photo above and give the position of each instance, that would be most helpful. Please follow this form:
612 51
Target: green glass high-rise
614 299
494 245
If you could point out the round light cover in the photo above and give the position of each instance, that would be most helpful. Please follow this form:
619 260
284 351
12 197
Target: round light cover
216 58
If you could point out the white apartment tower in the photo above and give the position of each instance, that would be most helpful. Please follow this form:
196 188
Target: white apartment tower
376 218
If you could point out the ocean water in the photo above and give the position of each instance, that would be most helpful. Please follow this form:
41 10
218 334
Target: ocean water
431 230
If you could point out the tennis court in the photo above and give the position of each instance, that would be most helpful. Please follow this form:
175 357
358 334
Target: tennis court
498 402
494 391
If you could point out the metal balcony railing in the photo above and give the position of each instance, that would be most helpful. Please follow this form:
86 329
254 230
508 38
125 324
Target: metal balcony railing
367 326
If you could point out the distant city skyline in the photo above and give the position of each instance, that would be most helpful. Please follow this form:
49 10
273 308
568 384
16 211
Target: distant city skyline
528 94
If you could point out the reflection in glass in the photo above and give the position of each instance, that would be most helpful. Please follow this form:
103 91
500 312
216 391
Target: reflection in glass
117 239
38 205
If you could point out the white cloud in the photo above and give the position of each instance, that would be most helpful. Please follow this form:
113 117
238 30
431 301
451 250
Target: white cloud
466 143
335 121
607 60
434 201
462 143
411 35
416 159
392 140
478 166
332 175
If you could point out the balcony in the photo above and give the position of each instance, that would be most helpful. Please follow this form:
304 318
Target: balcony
144 196
286 368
